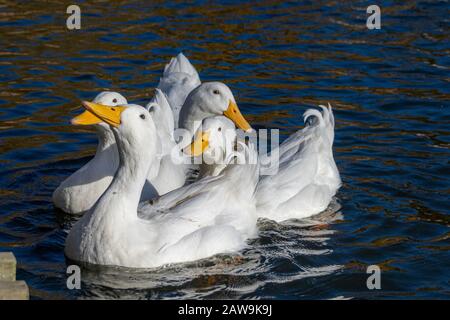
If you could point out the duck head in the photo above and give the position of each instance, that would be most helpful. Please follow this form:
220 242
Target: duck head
211 99
107 98
132 125
214 139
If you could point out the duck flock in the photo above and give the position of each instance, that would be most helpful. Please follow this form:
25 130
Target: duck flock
145 203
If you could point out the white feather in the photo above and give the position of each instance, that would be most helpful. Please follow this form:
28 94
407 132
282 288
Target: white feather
213 215
178 80
307 176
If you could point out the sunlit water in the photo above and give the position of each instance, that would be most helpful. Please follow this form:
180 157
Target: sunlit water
389 89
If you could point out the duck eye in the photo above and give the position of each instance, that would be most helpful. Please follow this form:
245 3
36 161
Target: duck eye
112 109
115 100
142 116
220 129
216 91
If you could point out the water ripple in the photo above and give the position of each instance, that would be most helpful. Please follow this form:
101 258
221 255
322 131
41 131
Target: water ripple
390 93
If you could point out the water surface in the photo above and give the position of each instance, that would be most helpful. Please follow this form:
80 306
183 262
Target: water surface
390 93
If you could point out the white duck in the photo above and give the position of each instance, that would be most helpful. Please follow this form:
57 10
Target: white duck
211 216
303 177
178 80
81 190
307 176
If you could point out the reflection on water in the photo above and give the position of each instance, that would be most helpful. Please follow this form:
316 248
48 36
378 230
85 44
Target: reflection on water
389 88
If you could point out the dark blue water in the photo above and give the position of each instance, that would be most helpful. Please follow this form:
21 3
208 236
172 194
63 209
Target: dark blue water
389 89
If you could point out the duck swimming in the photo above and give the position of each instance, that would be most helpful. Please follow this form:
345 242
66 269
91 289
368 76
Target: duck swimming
213 215
81 190
305 177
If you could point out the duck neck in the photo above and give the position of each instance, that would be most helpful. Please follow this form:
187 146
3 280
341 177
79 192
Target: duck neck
105 161
120 201
134 166
105 139
191 116
106 153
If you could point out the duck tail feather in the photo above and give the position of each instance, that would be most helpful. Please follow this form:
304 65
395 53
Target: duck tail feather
324 120
330 122
313 113
246 162
180 64
330 109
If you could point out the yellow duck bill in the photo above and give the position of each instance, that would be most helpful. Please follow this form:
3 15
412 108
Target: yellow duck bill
199 145
234 114
96 113
86 119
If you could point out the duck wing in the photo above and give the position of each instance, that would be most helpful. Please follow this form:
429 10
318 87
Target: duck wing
223 200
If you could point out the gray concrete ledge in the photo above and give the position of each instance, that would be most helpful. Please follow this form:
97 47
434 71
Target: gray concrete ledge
10 289
14 290
7 266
